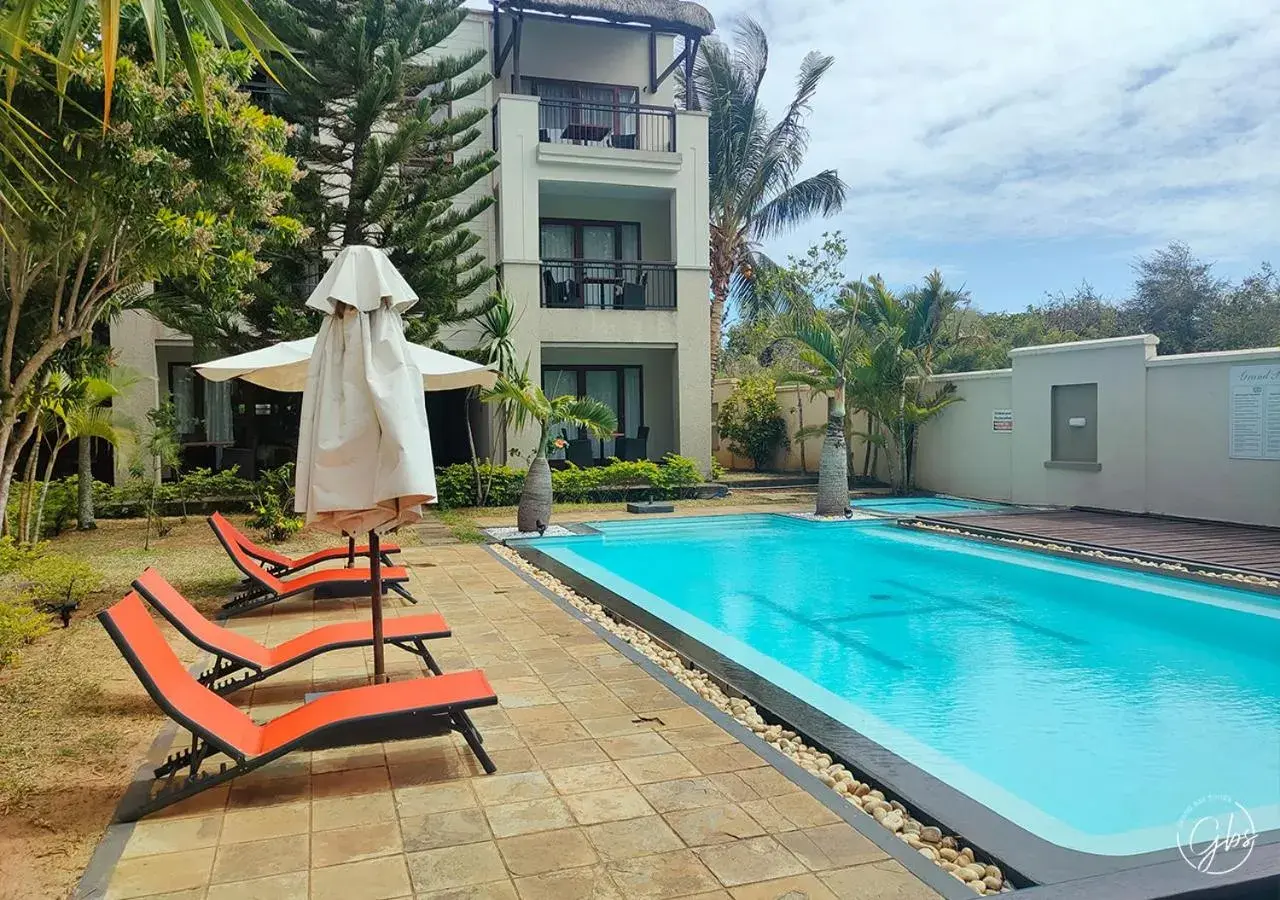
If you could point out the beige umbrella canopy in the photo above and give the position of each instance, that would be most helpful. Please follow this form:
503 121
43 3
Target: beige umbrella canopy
283 367
364 448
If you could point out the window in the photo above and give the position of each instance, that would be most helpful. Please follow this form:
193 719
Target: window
588 239
202 408
591 246
1074 426
583 103
621 388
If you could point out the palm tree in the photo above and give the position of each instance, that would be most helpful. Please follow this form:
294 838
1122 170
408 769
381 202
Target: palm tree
71 409
22 143
530 405
755 192
170 20
906 335
496 349
833 346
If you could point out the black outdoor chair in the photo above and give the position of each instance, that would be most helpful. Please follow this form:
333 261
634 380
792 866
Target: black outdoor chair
636 448
580 452
625 141
632 294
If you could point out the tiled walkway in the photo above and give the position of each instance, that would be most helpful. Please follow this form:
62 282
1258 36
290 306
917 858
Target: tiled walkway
609 786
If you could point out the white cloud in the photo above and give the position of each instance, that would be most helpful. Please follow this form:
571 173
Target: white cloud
1140 120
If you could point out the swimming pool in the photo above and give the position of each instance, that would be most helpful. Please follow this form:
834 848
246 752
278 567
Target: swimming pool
923 506
1088 705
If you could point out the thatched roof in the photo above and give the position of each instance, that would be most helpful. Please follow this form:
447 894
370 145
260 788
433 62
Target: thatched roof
676 15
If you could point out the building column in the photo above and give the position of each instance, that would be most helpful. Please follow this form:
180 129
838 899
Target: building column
693 366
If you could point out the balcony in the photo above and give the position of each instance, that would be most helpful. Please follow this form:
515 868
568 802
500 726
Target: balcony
608 284
621 126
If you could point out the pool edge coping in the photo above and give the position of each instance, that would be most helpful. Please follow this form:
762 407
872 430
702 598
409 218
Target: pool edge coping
1051 865
932 875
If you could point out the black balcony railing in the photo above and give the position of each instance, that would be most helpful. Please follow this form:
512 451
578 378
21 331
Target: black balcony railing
607 284
625 126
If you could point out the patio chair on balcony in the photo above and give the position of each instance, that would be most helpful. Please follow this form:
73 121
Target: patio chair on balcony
625 141
399 710
559 293
632 294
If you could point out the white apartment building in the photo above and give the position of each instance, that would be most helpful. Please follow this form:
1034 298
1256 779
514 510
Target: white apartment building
599 235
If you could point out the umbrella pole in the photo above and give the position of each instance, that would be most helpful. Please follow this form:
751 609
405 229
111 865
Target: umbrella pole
375 580
351 551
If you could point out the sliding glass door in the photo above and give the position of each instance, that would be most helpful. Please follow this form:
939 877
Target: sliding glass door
620 388
597 248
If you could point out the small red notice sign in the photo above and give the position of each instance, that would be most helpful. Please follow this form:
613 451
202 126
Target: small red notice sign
1002 420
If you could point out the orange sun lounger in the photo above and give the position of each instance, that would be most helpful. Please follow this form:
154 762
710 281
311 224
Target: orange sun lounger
421 707
281 565
240 661
262 587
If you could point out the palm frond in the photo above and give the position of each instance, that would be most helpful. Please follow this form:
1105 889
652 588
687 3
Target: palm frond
584 412
822 194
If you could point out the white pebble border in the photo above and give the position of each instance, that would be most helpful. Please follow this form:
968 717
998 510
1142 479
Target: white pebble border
1256 580
814 517
943 849
511 533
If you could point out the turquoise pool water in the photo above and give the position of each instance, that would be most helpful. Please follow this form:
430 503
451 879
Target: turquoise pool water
922 506
1088 704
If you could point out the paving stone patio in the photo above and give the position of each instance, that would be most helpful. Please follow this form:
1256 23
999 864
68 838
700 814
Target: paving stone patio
609 786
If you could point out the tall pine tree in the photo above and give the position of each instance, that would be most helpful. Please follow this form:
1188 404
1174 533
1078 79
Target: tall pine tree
383 158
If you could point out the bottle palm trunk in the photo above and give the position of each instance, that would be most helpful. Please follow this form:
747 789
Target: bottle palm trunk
535 497
833 470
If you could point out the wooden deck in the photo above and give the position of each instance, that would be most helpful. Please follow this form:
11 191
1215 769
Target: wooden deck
1239 547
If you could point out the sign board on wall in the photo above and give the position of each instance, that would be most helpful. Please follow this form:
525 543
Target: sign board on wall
1255 412
1002 420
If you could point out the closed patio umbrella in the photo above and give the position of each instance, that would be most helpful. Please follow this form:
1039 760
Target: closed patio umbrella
364 449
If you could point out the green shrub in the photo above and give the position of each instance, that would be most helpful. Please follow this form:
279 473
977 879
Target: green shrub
717 471
20 624
273 511
670 479
31 578
456 485
56 578
573 484
751 420
677 473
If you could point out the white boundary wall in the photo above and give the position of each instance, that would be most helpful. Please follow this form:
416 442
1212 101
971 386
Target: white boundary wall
1162 434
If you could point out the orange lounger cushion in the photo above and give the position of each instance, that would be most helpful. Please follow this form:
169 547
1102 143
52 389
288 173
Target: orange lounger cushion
288 564
248 653
405 709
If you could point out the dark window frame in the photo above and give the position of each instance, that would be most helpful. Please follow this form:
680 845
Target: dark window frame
579 87
578 224
581 370
197 402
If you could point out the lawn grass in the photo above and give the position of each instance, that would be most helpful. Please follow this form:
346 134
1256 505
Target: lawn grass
462 525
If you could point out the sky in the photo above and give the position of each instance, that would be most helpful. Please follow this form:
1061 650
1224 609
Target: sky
1023 146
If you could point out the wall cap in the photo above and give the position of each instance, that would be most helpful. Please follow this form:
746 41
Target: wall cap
975 375
1133 340
1216 356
